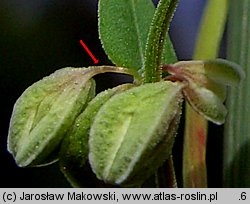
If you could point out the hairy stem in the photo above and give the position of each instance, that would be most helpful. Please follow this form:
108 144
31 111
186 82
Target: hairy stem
156 38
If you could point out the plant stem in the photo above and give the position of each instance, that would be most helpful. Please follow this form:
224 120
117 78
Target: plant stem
165 176
207 46
156 38
236 158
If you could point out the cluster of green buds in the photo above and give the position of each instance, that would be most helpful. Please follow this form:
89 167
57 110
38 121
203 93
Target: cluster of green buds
124 133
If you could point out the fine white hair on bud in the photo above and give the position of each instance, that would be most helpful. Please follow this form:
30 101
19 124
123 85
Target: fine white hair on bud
134 132
43 114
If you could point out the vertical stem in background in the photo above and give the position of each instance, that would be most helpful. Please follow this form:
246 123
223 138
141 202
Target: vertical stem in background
207 46
237 128
165 176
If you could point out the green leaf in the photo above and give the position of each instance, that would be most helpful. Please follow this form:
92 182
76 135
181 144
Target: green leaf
134 132
44 112
74 149
123 30
206 103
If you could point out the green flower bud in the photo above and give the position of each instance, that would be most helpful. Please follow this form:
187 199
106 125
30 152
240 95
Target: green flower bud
74 149
44 112
133 133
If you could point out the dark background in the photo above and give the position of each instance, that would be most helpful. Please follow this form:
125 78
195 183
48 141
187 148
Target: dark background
38 37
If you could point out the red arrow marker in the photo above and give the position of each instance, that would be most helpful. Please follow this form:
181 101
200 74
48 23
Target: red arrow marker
89 52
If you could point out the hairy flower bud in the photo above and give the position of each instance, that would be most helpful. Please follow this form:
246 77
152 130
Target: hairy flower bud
74 149
133 133
44 112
